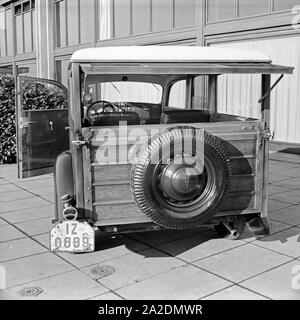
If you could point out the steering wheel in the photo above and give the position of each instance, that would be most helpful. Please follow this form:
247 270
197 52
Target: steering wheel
95 111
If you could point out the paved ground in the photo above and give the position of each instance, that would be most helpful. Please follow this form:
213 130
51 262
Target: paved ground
159 265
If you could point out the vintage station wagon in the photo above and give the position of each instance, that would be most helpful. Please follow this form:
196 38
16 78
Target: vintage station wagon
140 141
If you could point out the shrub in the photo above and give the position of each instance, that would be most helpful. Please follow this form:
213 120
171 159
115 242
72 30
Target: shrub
7 120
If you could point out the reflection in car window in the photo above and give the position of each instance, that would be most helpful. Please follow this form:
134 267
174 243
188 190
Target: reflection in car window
39 95
177 95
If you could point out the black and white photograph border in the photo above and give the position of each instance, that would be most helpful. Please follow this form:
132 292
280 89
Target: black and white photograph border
149 150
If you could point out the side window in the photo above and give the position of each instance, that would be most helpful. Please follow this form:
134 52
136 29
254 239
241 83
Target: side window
238 94
177 95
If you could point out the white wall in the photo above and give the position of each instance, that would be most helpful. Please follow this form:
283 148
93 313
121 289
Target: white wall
285 99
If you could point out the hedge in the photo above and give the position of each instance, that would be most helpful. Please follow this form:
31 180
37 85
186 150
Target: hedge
7 120
36 96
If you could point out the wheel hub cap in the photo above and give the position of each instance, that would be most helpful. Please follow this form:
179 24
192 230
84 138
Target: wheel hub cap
183 179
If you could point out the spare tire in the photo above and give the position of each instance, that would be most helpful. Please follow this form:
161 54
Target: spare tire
180 176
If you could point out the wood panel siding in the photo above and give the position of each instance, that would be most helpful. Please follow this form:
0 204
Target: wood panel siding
73 22
238 202
184 13
61 24
112 192
111 195
2 33
141 16
224 10
19 34
220 10
242 165
110 173
122 18
9 32
104 20
118 213
227 16
248 8
280 5
161 15
106 153
87 21
28 32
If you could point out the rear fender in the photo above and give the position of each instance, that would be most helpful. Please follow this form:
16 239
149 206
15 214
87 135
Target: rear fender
63 181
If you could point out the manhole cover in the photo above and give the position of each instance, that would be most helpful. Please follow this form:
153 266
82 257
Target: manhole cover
99 272
31 291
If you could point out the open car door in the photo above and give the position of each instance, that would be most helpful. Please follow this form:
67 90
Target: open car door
42 124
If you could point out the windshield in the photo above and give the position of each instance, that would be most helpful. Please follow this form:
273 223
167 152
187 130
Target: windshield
126 91
109 102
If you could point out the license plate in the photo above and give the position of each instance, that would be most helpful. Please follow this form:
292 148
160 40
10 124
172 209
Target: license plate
72 236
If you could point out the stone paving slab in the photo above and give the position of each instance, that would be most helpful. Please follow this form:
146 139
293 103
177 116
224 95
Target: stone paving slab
290 215
198 246
19 248
34 267
286 242
273 190
15 195
276 227
153 265
277 283
21 204
9 232
2 222
59 287
146 264
35 227
186 282
235 293
291 196
242 262
28 214
107 296
277 205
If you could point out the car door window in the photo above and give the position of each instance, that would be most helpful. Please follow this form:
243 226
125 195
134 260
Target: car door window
177 95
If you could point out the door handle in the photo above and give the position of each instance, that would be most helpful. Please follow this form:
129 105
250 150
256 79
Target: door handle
78 143
51 125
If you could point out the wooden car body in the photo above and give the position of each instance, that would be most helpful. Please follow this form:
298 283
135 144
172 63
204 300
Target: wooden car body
101 190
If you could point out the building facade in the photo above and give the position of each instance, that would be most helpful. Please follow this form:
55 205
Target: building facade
38 37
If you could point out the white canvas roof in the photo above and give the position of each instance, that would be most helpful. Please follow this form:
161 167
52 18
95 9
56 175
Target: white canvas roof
169 54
